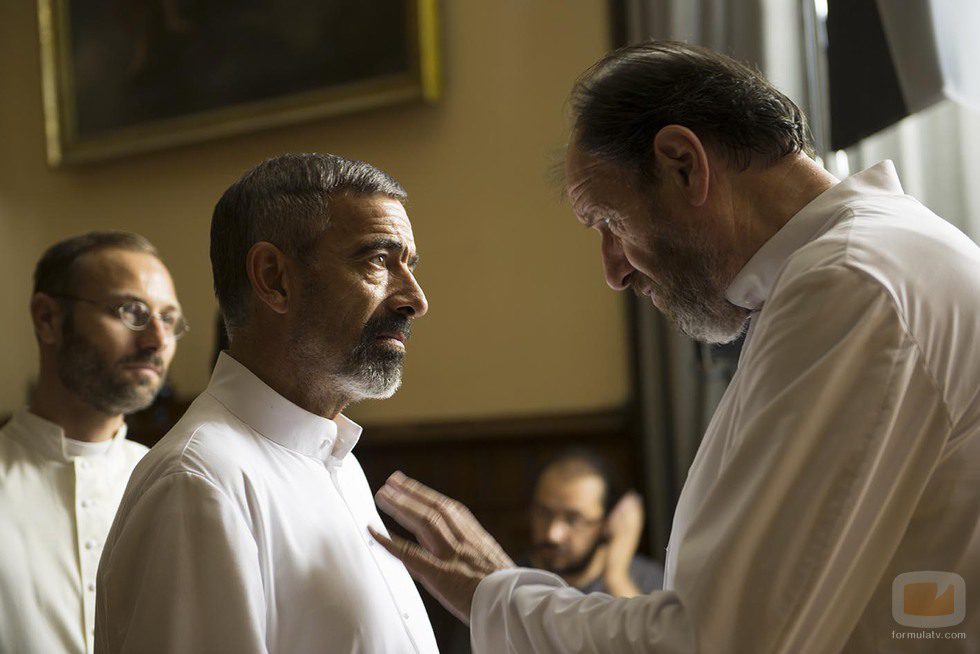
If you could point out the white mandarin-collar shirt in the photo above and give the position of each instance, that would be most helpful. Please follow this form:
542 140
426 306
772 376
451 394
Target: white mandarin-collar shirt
844 454
57 501
245 530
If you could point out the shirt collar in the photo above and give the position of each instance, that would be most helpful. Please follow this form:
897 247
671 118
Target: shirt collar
46 437
276 418
752 285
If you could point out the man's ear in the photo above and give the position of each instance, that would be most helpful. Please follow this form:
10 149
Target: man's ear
266 268
48 317
682 161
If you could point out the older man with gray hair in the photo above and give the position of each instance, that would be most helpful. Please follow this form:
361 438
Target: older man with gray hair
833 504
246 528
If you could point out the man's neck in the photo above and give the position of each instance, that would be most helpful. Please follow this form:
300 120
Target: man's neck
281 374
769 197
79 420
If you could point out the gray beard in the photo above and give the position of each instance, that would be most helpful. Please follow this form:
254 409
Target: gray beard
372 372
713 322
692 293
369 371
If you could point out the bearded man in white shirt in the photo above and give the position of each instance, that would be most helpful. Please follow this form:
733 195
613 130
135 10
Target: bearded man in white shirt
246 528
106 319
833 504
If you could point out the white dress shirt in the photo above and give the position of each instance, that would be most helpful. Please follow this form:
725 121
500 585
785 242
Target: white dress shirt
245 530
57 501
845 452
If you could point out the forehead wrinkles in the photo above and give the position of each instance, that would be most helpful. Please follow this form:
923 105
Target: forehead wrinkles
364 215
588 181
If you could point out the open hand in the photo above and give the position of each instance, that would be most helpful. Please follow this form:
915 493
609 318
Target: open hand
623 529
454 553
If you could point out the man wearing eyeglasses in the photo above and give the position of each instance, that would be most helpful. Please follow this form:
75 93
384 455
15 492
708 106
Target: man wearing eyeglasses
106 319
585 530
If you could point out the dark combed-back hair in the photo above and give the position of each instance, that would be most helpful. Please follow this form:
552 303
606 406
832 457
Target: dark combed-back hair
55 271
284 201
622 102
584 460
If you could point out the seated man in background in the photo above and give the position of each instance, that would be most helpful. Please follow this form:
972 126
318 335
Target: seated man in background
587 532
246 528
106 320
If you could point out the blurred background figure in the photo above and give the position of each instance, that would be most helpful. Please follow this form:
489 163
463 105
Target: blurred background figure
106 320
585 530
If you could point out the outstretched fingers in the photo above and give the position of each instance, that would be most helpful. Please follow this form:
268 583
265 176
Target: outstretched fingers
423 520
454 515
425 567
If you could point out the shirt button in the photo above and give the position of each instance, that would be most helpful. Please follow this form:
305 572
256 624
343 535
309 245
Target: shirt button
86 503
91 587
405 615
90 544
84 464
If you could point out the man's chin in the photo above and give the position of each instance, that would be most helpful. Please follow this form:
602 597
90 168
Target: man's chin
132 398
376 384
558 565
386 351
718 327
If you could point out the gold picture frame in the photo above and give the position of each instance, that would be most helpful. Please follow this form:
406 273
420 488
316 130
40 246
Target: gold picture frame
148 77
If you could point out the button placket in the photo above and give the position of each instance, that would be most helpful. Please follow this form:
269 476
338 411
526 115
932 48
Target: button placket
88 527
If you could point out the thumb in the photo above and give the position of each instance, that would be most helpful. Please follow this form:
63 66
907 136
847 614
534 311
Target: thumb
426 568
418 560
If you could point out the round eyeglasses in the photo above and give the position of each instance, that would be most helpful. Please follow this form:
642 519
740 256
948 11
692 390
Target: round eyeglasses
136 315
573 519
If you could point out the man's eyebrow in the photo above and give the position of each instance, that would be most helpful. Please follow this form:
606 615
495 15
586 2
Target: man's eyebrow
387 244
126 297
130 297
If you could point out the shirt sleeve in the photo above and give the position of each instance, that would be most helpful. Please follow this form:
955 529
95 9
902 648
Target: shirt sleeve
829 442
182 575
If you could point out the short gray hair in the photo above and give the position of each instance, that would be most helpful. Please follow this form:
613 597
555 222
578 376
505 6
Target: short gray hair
284 201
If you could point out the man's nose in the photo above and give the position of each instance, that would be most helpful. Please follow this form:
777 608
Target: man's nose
616 267
410 299
557 530
154 335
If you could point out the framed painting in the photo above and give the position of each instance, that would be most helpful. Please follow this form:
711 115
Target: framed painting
127 76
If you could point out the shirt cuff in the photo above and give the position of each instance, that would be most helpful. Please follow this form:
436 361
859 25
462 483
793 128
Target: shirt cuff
500 584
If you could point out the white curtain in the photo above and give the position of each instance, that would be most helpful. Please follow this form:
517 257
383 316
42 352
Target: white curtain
937 154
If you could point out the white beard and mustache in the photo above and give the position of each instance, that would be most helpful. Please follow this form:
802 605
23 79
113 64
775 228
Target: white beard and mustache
370 370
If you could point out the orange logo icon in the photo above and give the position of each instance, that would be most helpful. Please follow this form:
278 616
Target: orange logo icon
924 599
929 598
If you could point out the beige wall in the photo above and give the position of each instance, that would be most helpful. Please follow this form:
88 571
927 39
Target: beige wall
520 320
